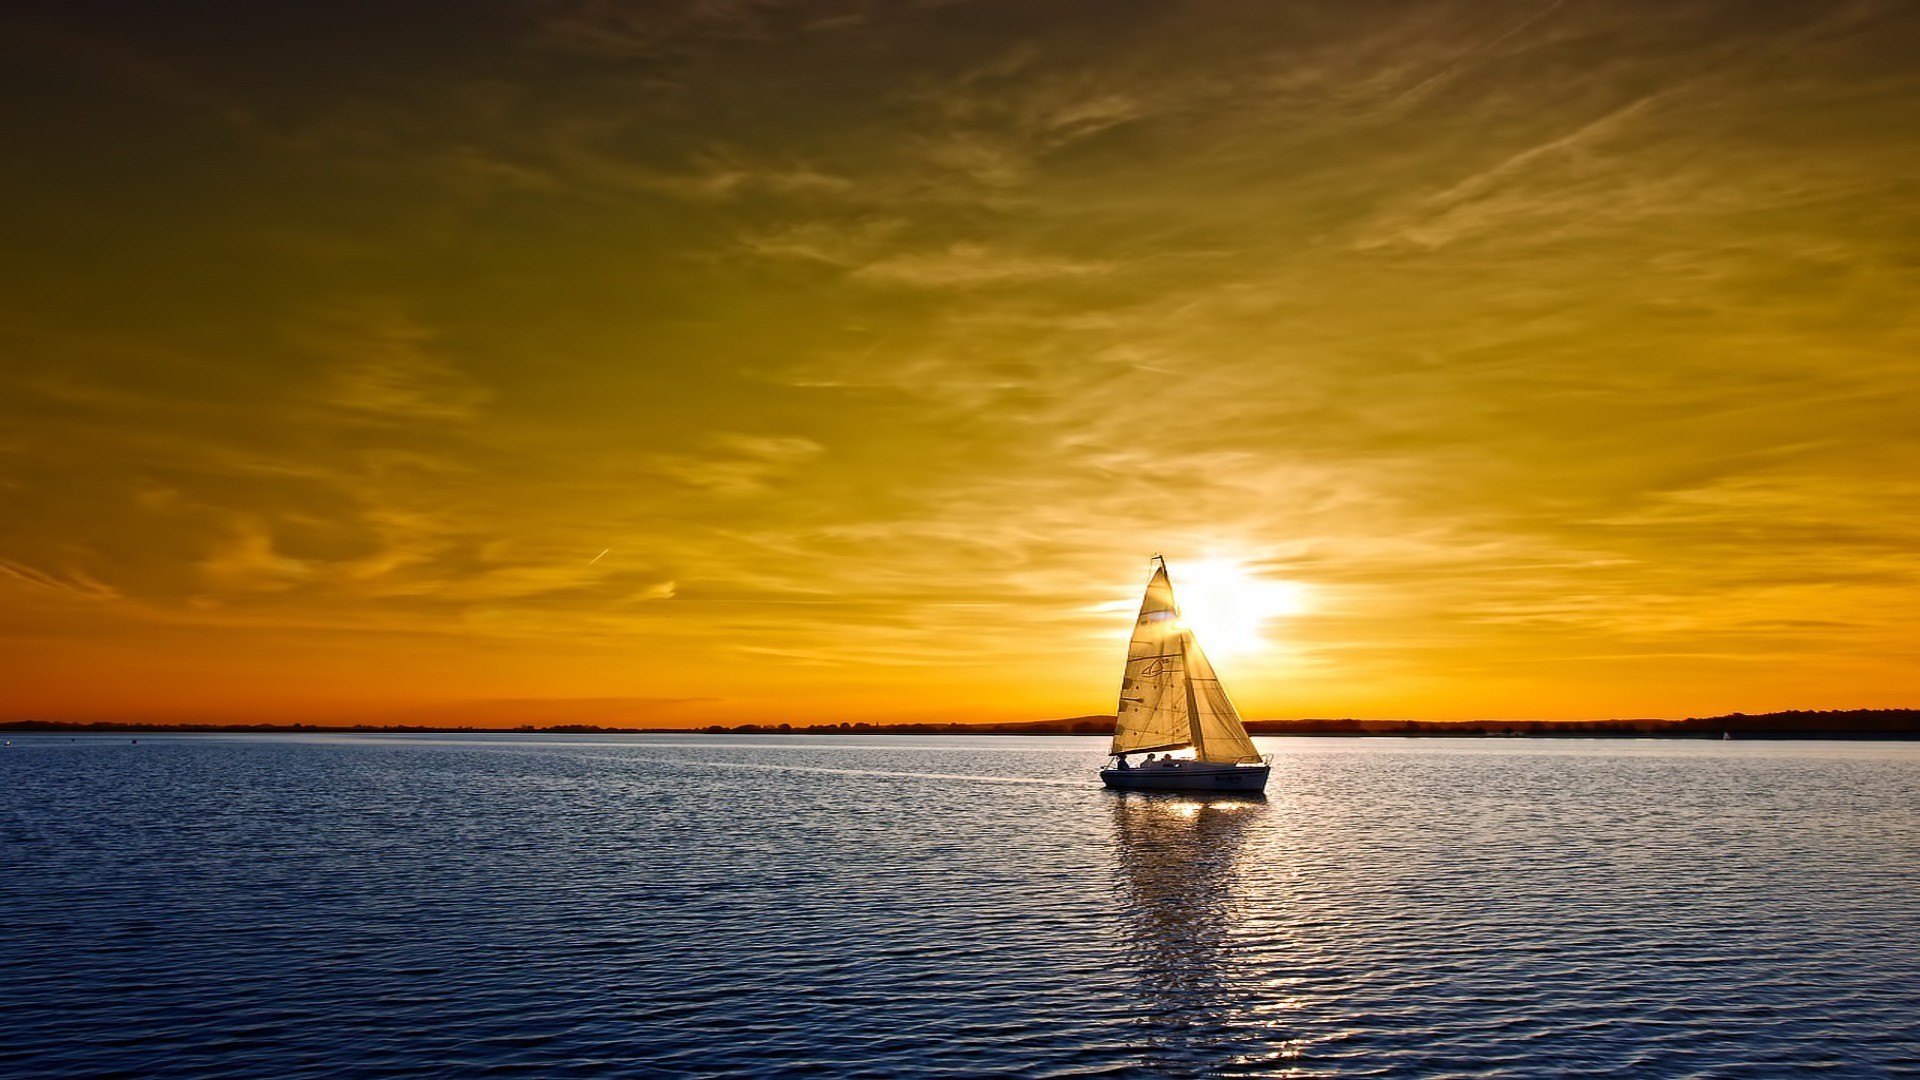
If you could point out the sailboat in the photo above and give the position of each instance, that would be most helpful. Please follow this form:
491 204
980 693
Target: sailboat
1171 702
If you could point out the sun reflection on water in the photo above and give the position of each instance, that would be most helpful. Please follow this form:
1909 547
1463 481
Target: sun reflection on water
1180 863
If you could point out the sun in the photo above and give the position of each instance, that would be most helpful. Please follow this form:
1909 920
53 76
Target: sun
1229 606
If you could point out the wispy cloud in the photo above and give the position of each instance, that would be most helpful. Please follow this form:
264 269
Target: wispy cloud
384 366
650 30
965 265
247 561
869 251
75 584
738 465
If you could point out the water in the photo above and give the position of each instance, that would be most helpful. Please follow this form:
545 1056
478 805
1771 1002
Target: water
921 906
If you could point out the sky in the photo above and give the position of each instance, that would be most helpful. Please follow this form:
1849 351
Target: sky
761 361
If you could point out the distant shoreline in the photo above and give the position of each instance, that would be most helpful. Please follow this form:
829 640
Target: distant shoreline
1798 724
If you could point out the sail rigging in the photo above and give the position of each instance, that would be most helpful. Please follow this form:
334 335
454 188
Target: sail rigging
1170 697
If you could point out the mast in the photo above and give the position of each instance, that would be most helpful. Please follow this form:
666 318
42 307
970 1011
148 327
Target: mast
1193 706
1186 671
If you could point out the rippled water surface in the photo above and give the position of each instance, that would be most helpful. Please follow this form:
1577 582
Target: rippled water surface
657 905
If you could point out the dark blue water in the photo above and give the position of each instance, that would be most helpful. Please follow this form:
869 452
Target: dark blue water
256 906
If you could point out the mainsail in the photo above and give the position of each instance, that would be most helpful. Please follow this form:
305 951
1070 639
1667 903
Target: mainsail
1170 699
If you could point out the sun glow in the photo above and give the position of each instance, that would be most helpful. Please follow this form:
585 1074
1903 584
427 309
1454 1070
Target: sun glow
1229 607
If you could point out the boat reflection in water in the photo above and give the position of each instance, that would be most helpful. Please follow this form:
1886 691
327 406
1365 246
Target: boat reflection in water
1181 859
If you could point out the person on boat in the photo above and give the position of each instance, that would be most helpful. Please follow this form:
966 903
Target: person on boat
1122 764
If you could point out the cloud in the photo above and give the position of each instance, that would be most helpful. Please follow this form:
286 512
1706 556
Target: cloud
739 465
247 562
720 174
660 590
620 29
1504 196
74 585
383 366
847 245
519 581
870 250
995 160
1453 65
409 542
972 265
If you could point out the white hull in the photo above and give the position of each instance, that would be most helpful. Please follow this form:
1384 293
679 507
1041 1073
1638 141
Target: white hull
1188 776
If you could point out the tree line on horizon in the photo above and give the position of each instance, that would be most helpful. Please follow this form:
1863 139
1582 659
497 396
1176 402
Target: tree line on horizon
1793 724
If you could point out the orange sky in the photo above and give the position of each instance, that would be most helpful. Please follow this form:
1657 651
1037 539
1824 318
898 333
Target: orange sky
694 363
